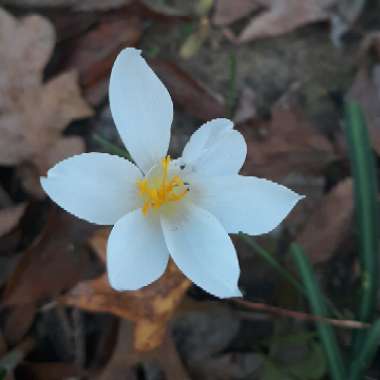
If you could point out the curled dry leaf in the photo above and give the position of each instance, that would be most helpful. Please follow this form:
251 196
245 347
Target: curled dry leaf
150 308
18 322
10 217
227 11
366 91
189 93
94 52
246 107
286 144
55 262
10 213
371 42
329 224
33 115
283 16
49 370
78 5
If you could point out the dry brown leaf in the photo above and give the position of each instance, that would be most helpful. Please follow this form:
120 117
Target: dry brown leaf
283 16
227 11
366 91
125 357
286 144
10 217
18 322
3 345
246 107
55 262
151 307
329 224
77 5
94 52
371 42
33 115
187 92
48 371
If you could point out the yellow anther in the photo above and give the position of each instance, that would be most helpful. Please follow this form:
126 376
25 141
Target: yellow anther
168 190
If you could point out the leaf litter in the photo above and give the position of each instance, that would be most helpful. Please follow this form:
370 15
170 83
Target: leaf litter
52 264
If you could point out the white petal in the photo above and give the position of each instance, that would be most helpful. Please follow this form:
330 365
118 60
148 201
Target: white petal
97 187
247 204
216 149
203 251
136 252
141 108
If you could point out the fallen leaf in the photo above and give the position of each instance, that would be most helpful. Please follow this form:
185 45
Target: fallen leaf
286 144
94 52
371 42
283 16
151 307
329 224
3 345
201 335
18 322
227 11
162 10
344 17
83 5
366 91
33 115
125 357
189 93
48 371
231 365
55 262
10 217
120 363
246 107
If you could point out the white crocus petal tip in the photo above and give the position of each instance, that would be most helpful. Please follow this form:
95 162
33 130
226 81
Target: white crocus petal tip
216 148
136 252
251 205
141 108
203 251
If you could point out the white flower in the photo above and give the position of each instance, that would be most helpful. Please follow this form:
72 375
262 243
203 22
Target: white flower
184 208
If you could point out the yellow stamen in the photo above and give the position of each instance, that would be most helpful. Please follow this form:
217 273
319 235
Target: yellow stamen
168 190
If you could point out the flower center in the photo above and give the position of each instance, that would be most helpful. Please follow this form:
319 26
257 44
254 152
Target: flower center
160 189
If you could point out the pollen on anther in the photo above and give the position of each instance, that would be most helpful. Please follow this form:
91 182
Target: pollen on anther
169 189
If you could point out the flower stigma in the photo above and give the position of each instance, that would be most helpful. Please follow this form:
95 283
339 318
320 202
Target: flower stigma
160 189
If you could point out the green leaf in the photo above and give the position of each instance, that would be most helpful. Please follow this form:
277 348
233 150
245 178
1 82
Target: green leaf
3 373
366 207
326 333
312 367
367 352
271 371
112 148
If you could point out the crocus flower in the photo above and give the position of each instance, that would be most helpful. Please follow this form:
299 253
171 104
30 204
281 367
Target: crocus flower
159 207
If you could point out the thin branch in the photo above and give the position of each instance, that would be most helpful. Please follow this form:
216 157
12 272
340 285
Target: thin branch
278 311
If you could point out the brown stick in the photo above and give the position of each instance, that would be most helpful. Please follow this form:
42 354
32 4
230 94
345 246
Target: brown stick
264 308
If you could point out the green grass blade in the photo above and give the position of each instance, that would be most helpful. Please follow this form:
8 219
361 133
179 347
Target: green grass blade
365 188
272 262
366 212
367 352
317 305
286 275
111 148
